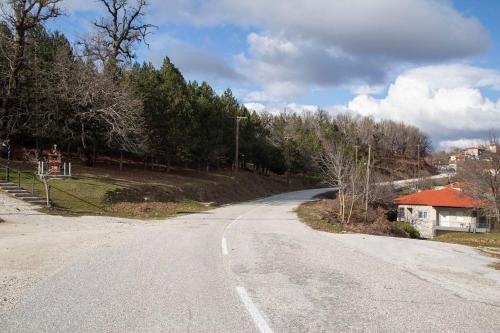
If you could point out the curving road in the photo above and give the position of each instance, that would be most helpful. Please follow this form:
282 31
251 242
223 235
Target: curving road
253 267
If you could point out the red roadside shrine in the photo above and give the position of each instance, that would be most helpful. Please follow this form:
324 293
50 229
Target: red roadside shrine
54 165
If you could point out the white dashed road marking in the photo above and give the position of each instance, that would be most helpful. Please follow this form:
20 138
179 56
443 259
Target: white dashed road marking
259 321
224 246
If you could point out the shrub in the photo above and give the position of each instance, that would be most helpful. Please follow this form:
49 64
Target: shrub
392 215
408 228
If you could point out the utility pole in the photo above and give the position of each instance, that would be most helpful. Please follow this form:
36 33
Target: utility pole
288 159
236 153
367 189
418 161
418 166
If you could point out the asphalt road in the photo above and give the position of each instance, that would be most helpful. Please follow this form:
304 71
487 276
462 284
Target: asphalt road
253 267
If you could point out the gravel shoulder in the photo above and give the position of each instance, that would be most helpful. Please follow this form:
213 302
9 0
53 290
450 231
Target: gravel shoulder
34 246
463 270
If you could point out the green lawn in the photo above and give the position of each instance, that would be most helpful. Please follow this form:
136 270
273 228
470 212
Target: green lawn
491 239
77 194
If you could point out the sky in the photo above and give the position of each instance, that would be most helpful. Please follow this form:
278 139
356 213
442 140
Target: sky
434 64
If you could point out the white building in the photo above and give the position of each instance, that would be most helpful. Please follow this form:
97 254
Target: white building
445 209
473 152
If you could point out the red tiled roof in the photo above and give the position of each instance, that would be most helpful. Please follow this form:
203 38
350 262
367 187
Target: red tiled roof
446 197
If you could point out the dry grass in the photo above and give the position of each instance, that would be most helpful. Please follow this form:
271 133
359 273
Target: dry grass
487 243
322 215
310 214
495 266
491 239
152 210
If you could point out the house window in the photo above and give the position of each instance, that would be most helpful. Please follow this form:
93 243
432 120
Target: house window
422 215
401 214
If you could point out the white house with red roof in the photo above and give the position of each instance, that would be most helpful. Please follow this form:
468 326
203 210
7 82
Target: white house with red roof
446 209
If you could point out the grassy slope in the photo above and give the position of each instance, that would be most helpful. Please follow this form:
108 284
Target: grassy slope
135 192
309 214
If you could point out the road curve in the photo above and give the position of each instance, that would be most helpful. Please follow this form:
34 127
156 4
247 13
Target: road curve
252 267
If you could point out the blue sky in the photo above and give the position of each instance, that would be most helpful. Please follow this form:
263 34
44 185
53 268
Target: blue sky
431 63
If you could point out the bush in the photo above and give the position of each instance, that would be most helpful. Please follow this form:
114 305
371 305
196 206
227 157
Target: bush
392 215
408 228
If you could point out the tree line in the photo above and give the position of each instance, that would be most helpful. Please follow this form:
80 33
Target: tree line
94 98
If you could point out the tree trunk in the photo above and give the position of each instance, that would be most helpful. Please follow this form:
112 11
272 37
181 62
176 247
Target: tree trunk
93 153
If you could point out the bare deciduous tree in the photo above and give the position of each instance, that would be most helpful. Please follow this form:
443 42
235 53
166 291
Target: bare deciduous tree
342 171
21 16
98 109
483 178
117 33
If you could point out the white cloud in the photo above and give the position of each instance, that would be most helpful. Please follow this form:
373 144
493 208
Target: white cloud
448 145
403 29
445 101
287 69
257 107
257 96
295 46
190 59
368 90
281 107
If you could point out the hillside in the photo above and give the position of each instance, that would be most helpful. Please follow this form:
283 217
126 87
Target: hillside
136 192
397 167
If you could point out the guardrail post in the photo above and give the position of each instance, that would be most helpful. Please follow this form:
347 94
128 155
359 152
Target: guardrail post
19 179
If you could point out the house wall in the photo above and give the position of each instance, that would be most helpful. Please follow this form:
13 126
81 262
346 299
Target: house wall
454 219
423 225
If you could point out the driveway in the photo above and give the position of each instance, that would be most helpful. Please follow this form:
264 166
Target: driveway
250 267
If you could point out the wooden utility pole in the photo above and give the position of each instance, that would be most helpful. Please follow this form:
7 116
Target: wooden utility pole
418 161
288 159
367 189
236 152
418 166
